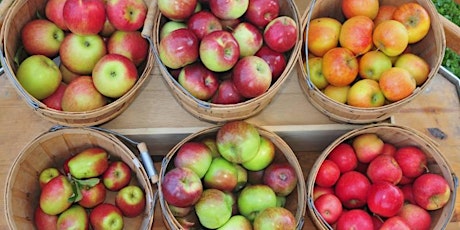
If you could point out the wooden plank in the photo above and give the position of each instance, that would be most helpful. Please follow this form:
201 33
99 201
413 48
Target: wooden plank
452 32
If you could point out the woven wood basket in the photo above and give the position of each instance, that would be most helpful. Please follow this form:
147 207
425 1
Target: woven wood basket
399 136
295 202
4 5
431 48
22 11
51 149
218 113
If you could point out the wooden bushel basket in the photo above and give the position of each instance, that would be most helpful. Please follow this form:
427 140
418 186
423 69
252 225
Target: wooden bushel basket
218 113
399 136
51 149
295 202
431 49
22 11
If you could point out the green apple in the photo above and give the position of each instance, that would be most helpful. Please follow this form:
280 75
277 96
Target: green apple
315 68
211 143
106 216
221 174
91 162
280 201
238 141
74 217
82 96
237 222
67 75
264 156
373 63
39 76
365 93
255 198
214 208
54 196
47 174
337 93
170 26
41 36
242 177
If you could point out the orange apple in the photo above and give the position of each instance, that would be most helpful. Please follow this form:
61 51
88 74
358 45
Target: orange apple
365 93
340 66
396 84
367 8
315 68
337 93
356 34
373 63
390 37
323 35
385 13
415 18
417 66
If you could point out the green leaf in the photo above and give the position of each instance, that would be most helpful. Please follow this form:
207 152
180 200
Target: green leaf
91 182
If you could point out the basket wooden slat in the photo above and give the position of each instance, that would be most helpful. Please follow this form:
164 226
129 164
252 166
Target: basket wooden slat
51 149
22 11
295 202
218 113
399 136
431 49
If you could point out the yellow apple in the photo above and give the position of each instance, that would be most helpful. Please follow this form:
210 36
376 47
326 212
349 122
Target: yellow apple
415 18
367 8
417 66
373 63
315 68
390 37
323 35
340 66
385 13
356 34
365 93
337 93
396 84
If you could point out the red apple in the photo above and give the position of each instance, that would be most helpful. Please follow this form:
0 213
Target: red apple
276 61
328 174
106 216
179 48
54 12
261 12
344 156
41 36
227 93
356 34
431 191
340 66
54 100
228 9
252 76
195 156
92 196
367 146
126 15
81 95
177 10
130 44
199 81
43 221
412 161
275 218
408 194
181 187
55 195
179 211
281 34
329 207
249 38
131 200
116 176
281 177
219 51
84 17
221 174
203 22
352 188
319 191
395 222
255 177
385 199
388 149
75 217
384 168
355 219
415 216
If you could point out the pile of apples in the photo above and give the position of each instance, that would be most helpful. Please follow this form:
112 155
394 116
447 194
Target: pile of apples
84 53
225 52
78 197
229 181
366 60
366 183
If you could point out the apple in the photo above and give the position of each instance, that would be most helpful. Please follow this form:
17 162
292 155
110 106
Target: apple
385 199
67 75
252 76
253 199
53 101
238 141
242 178
214 208
80 53
199 81
328 174
84 17
180 211
202 23
319 191
368 8
221 174
431 191
397 83
329 207
91 162
249 38
130 44
415 18
181 187
352 188
367 146
344 156
407 192
385 13
81 95
179 48
219 51
227 93
41 36
177 10
356 34
412 160
39 76
281 34
210 142
75 217
261 12
189 221
106 216
92 196
337 93
365 93
126 15
170 26
54 13
47 174
395 222
237 222
195 156
373 63
389 149
228 9
414 215
116 176
54 196
355 219
130 200
264 156
255 177
43 221
384 168
390 37
108 29
276 61
114 75
275 218
323 35
315 70
340 66
416 65
281 177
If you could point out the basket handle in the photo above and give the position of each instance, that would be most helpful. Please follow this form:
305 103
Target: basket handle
148 22
148 162
307 25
